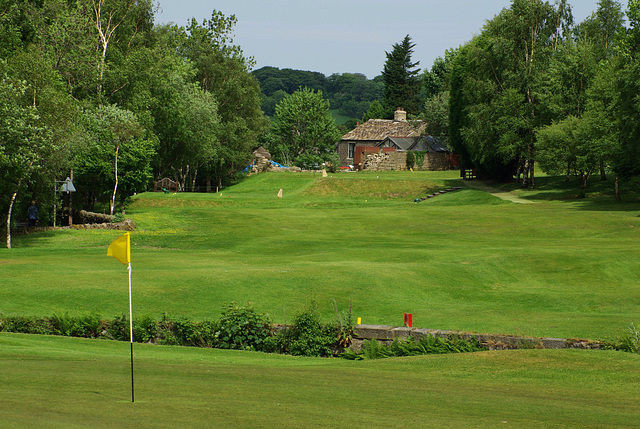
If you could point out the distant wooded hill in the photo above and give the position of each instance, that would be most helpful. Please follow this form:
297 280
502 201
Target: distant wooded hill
350 94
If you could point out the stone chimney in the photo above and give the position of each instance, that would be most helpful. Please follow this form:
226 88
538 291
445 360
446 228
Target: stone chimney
400 115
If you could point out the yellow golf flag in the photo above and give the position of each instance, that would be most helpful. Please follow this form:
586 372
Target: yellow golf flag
119 249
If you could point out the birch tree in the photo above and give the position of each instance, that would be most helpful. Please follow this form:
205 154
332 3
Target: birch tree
23 144
506 66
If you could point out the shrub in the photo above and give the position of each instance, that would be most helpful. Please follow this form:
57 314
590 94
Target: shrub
145 329
185 332
411 160
118 328
630 341
242 328
307 336
85 326
430 344
344 326
419 158
25 325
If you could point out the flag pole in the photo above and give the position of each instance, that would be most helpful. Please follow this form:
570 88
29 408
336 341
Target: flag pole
131 330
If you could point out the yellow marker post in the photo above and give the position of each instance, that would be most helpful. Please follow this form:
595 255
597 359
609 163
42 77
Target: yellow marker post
359 321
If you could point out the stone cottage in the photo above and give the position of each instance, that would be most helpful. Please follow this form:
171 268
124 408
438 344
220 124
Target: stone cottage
372 133
382 144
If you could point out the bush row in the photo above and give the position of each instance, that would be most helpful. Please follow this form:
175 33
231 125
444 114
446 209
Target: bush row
239 327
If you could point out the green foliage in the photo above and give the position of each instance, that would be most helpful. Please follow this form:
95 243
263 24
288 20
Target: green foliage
115 156
411 160
501 78
185 332
306 337
350 94
438 80
419 158
242 328
303 130
145 329
436 116
25 324
401 81
630 341
373 349
376 111
344 325
86 326
118 328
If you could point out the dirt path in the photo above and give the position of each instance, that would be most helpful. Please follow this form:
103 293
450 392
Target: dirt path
508 196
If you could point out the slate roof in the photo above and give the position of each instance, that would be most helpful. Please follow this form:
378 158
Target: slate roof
428 143
379 129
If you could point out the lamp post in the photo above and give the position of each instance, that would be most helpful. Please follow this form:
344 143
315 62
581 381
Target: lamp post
67 186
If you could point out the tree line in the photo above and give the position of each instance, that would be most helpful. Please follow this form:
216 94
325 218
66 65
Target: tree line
349 93
96 90
536 89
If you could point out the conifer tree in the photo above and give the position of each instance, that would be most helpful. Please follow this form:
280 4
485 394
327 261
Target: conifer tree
401 81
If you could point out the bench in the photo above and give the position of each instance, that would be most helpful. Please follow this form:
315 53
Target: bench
468 174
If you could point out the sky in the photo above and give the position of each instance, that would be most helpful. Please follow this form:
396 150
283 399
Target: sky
347 36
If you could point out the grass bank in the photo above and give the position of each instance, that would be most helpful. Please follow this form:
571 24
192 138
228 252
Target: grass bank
57 381
462 261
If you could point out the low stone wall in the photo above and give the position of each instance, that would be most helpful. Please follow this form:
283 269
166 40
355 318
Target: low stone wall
126 225
91 217
398 161
386 334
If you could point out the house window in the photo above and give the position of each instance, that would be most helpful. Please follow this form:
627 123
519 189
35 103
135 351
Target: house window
352 148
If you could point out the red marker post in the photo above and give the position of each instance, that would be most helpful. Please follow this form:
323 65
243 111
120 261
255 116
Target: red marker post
408 320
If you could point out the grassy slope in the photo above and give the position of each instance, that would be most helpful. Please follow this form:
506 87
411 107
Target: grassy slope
64 382
464 260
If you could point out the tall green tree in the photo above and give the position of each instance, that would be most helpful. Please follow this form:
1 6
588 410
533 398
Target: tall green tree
506 66
24 147
603 28
304 132
627 163
224 71
401 80
114 134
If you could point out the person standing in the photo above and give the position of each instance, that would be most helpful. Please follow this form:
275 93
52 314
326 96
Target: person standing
32 214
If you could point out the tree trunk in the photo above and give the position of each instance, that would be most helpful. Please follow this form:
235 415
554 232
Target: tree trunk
603 174
584 181
617 191
193 179
112 203
13 198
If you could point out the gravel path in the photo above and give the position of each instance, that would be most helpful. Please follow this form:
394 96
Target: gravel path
508 196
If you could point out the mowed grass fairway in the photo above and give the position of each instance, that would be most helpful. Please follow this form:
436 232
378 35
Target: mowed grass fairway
70 382
465 260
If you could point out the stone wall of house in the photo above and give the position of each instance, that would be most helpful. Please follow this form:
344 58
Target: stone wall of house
398 161
435 162
343 154
386 161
